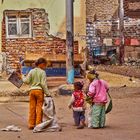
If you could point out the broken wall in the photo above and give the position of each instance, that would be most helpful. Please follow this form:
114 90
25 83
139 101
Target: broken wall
104 16
40 42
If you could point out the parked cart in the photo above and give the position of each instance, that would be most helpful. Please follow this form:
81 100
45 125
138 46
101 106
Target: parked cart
105 55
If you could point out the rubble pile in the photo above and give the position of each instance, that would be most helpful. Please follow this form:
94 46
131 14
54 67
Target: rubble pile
132 71
133 62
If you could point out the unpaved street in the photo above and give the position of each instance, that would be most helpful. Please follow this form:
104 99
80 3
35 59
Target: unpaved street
123 122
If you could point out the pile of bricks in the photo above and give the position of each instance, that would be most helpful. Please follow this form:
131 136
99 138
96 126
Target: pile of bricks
132 71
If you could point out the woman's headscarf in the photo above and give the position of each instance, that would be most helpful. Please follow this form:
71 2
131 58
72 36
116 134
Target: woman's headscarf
92 75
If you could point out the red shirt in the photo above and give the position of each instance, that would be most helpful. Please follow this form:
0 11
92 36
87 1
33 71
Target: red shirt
78 99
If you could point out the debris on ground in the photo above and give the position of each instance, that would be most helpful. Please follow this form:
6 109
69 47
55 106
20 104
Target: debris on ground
13 128
133 62
132 71
65 89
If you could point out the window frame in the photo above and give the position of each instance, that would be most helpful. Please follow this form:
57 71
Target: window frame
18 25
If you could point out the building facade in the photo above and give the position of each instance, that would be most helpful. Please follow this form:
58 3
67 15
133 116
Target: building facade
103 15
38 27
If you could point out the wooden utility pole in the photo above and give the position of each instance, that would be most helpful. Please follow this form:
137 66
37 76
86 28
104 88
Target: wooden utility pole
121 30
69 42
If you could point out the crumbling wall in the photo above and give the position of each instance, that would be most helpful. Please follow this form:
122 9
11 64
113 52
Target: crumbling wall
40 42
101 9
104 15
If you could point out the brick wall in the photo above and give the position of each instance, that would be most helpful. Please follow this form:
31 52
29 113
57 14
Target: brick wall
132 8
101 9
104 15
132 52
41 42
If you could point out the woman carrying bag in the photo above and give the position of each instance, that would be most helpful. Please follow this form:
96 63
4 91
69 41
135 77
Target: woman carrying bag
97 96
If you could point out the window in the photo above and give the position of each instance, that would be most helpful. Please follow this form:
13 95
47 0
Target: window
18 26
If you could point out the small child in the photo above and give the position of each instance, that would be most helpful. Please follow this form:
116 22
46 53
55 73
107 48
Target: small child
77 103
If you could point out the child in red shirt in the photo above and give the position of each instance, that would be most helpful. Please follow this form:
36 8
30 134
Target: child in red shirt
77 103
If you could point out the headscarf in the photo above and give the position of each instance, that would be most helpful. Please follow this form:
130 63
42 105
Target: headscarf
92 75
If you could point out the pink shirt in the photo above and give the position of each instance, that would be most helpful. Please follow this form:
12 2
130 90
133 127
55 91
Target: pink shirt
98 91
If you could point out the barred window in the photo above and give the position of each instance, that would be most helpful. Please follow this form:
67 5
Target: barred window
18 26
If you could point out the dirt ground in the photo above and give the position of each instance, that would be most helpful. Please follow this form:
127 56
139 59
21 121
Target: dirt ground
121 124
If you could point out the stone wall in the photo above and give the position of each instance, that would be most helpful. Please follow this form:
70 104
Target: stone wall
40 42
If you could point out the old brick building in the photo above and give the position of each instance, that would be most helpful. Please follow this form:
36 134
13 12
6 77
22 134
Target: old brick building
27 31
103 14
